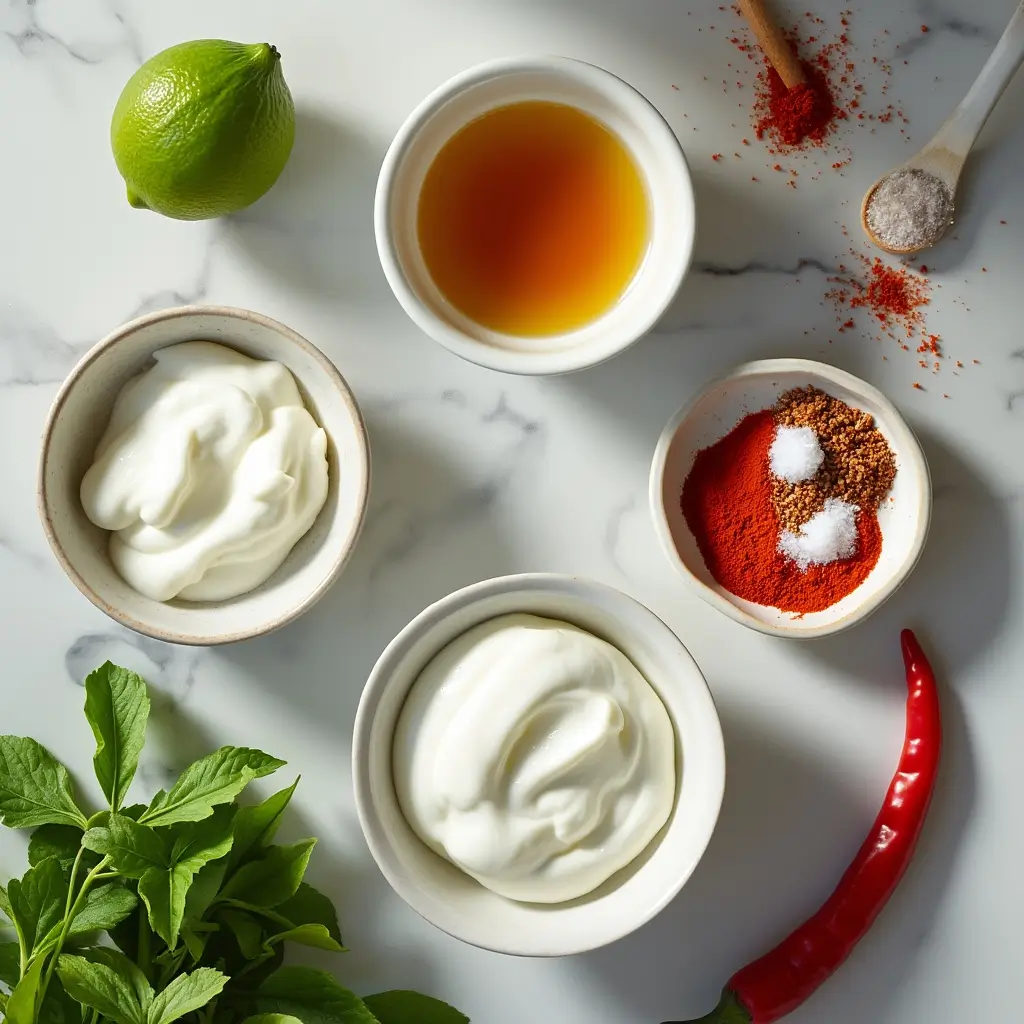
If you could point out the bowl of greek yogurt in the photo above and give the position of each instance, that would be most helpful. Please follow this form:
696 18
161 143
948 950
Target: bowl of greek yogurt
204 475
538 764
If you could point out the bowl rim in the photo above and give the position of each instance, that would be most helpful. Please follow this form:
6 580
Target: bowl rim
561 361
582 589
911 451
71 381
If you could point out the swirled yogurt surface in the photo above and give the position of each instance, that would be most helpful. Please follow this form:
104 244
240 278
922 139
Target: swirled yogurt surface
209 472
535 757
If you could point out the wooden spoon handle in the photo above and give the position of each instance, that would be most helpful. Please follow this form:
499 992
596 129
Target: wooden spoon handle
778 51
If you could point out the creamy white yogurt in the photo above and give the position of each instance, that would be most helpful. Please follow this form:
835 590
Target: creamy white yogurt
535 757
209 472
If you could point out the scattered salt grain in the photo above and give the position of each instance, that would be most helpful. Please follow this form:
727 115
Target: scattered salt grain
795 454
910 209
827 536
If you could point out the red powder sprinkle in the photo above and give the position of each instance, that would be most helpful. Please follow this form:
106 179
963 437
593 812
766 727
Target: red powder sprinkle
777 167
924 28
792 117
920 387
1002 222
924 269
716 156
890 291
984 270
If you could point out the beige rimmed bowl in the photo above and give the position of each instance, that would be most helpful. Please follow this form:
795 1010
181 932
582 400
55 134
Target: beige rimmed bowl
904 516
452 900
79 416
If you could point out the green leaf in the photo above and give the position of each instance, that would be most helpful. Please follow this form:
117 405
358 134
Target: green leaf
198 843
163 890
117 708
35 788
105 908
60 841
186 993
315 935
248 932
255 827
272 1018
195 942
215 779
412 1008
109 983
311 995
38 902
132 848
272 879
58 1007
5 903
21 1007
310 906
204 889
10 963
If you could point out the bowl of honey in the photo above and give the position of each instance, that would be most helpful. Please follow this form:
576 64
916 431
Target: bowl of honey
535 215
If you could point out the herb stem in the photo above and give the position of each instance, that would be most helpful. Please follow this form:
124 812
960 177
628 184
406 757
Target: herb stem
70 914
145 963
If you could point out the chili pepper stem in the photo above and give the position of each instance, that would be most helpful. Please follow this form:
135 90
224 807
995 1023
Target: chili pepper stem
728 1011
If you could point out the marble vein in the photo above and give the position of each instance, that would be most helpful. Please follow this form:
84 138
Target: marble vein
761 267
31 37
32 352
168 667
414 525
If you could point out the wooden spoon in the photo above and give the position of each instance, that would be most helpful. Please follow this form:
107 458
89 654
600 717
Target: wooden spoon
774 44
944 156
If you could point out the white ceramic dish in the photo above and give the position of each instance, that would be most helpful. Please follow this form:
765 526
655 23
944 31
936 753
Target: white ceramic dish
611 101
79 416
904 517
455 902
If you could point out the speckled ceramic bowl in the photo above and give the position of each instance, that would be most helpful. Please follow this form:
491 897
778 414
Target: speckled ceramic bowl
79 416
904 517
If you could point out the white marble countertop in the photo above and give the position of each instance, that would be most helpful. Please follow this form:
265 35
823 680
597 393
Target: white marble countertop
479 474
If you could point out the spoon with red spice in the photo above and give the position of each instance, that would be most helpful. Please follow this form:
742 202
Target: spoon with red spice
800 106
909 208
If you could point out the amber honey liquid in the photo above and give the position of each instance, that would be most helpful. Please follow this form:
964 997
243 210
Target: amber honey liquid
533 219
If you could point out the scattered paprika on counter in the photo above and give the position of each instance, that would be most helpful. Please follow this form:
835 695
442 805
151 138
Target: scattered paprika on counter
785 978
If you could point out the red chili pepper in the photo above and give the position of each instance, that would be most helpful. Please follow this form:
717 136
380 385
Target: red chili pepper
783 979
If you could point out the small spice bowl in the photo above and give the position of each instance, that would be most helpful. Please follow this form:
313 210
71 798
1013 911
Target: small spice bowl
617 106
458 904
904 516
79 416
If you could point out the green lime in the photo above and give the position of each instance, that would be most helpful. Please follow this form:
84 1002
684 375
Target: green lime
203 128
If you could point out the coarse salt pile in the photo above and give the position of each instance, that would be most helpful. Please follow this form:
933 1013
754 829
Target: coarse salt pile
795 454
910 209
827 536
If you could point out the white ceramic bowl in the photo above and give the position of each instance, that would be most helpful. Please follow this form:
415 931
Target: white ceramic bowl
457 903
611 101
79 416
904 517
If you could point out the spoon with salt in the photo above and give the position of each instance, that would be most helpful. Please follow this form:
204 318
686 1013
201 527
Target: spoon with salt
909 208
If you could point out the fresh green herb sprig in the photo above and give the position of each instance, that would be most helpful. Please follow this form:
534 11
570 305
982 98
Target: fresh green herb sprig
192 892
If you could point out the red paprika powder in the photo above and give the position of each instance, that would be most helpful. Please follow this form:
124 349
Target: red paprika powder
791 117
727 502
